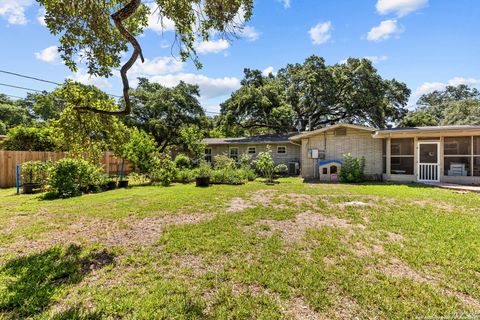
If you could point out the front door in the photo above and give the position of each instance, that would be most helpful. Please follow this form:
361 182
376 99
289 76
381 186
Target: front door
428 162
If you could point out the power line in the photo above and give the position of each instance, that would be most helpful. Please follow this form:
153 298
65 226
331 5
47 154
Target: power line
29 77
42 80
18 87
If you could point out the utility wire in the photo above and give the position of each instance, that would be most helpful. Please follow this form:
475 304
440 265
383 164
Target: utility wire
42 80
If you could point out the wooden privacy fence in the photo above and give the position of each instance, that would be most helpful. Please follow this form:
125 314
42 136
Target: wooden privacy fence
10 159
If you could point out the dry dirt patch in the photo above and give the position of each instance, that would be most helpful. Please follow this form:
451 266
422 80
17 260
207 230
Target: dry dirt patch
126 232
239 204
294 230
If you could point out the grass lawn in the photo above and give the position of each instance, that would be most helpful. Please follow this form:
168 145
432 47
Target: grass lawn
293 250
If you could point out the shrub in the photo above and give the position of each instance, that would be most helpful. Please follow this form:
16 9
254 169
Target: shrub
141 151
137 179
36 172
204 170
228 176
69 177
248 173
185 175
29 138
352 169
223 161
165 173
182 161
266 166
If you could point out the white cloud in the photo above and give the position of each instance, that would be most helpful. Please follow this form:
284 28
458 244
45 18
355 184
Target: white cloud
209 87
156 22
384 30
286 3
268 70
400 7
321 32
249 33
14 10
376 59
428 87
214 46
41 16
49 54
83 77
156 66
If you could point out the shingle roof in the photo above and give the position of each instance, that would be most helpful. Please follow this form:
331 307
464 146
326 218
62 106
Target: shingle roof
430 128
258 139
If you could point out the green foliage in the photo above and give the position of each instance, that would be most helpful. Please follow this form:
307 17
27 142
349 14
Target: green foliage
36 172
138 179
465 112
87 135
87 29
266 166
455 105
351 92
352 169
141 150
182 161
12 115
69 177
192 139
418 119
185 175
204 169
171 115
223 162
3 128
165 173
23 138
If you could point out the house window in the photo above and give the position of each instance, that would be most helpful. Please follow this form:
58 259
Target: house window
281 150
234 153
458 156
208 154
252 150
402 160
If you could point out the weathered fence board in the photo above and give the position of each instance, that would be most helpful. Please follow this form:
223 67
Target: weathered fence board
10 159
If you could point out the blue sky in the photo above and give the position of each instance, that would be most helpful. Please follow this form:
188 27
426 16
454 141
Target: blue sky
425 43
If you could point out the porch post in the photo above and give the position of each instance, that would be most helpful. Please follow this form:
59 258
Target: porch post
415 157
389 156
442 158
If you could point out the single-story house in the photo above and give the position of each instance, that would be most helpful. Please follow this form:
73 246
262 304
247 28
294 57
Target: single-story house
426 154
284 151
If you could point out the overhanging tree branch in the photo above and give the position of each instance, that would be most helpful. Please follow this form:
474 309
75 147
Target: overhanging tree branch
127 11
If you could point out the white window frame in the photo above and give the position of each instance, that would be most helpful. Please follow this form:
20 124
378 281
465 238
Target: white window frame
230 153
208 154
254 150
282 153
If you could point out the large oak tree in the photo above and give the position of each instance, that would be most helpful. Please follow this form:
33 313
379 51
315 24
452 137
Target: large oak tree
315 94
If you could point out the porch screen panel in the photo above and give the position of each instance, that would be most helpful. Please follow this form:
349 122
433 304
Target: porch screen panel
401 160
457 156
476 156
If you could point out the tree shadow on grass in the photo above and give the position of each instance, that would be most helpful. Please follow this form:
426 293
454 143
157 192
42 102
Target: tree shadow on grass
28 284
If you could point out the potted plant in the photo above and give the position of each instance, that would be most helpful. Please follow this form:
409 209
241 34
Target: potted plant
33 176
123 182
202 178
111 183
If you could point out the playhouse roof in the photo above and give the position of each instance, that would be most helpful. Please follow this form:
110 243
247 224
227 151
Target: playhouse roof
322 163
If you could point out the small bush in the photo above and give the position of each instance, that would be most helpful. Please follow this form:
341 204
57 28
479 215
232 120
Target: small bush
36 172
138 179
165 173
204 170
185 175
228 176
70 177
141 151
182 161
266 166
352 169
222 162
248 173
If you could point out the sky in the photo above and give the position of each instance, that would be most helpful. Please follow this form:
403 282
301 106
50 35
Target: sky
427 44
